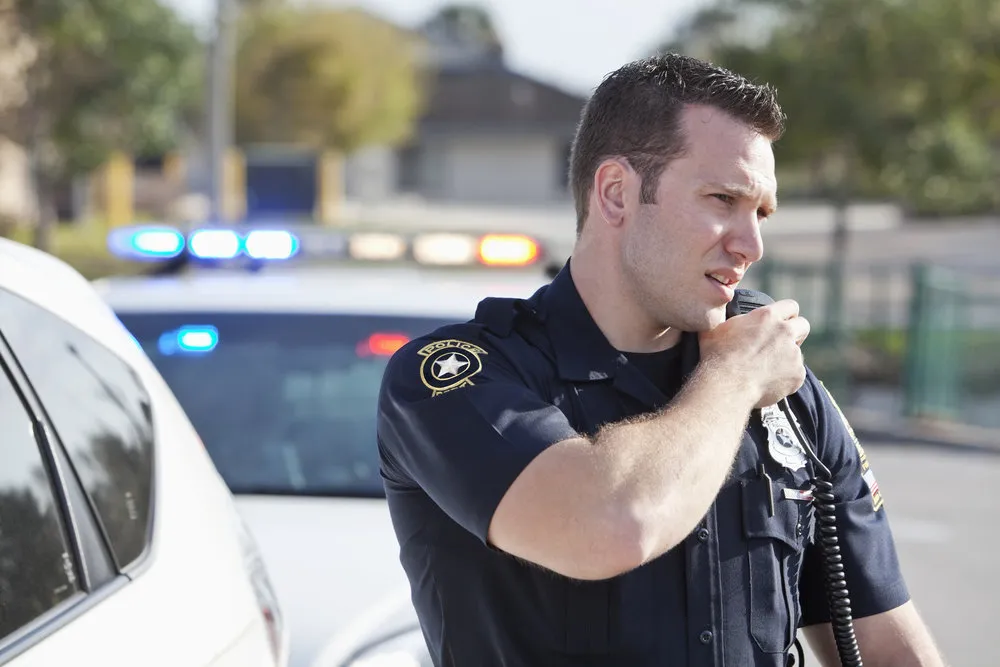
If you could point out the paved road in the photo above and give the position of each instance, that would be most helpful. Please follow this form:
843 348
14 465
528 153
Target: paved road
944 507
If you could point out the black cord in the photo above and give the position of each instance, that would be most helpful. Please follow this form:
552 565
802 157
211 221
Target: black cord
833 562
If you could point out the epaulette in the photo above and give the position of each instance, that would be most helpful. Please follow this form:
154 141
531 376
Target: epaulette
498 314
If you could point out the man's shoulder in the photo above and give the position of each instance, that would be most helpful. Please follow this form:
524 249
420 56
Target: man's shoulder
825 419
817 397
446 355
491 347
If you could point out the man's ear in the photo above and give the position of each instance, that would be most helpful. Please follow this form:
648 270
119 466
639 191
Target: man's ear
611 181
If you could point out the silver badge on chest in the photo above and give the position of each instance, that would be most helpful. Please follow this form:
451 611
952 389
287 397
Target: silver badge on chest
782 444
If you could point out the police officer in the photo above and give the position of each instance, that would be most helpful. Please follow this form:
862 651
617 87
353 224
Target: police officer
596 475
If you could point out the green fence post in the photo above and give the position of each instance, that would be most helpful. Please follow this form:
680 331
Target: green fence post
836 327
933 369
913 384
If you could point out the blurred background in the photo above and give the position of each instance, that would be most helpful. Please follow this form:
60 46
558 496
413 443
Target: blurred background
419 113
416 114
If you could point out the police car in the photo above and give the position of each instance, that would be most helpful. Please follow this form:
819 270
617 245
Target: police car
120 544
274 340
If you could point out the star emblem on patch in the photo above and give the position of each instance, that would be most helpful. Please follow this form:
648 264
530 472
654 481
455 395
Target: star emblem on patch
449 364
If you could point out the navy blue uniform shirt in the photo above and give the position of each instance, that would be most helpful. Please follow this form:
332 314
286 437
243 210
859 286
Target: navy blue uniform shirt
465 409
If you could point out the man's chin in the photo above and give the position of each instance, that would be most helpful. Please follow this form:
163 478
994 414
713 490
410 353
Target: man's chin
701 326
714 318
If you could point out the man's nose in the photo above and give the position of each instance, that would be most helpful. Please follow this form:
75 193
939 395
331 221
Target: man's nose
745 240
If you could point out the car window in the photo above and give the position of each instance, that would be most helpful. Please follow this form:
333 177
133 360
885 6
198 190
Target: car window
100 412
37 571
285 403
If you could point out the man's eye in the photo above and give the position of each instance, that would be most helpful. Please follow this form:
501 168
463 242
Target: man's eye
728 199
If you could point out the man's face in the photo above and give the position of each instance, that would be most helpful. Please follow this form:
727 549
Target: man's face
685 254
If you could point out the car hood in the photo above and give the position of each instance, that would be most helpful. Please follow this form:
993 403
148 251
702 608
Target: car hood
332 561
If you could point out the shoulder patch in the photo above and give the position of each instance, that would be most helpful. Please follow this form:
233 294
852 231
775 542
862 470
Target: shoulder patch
449 364
867 474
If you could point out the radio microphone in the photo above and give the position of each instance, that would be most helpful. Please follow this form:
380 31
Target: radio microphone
746 300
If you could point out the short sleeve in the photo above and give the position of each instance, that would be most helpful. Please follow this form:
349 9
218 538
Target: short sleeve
456 420
874 579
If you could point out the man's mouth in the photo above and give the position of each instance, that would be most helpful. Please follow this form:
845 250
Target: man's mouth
728 281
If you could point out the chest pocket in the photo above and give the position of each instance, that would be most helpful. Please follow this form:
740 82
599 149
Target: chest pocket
775 530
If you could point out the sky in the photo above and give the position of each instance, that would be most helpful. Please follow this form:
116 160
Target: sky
572 44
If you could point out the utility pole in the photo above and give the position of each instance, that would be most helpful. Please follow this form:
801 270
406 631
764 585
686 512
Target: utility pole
220 104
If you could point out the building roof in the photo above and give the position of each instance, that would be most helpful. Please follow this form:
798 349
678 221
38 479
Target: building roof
494 97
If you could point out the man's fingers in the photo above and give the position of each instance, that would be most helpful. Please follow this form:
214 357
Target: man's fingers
800 329
785 309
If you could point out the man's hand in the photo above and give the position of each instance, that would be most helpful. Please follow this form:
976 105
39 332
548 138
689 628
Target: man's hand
761 348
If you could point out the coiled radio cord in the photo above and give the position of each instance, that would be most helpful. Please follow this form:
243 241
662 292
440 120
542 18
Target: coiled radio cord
837 594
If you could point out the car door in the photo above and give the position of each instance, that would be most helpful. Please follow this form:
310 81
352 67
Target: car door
53 566
80 579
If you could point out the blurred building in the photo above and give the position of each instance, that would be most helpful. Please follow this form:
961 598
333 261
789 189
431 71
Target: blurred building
489 135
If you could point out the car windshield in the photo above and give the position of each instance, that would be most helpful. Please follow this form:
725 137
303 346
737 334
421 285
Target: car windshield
285 403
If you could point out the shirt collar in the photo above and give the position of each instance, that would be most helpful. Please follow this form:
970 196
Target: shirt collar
582 351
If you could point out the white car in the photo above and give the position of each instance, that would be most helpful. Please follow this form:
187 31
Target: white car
120 544
279 370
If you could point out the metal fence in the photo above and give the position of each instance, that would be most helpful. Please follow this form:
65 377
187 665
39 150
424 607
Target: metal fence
918 340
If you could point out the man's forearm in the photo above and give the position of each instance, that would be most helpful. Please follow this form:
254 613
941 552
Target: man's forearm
671 465
896 638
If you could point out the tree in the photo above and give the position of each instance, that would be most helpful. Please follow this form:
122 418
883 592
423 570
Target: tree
468 25
104 75
325 78
885 98
17 52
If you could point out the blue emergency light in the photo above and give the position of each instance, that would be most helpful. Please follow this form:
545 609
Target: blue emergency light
189 339
270 244
215 244
146 242
158 243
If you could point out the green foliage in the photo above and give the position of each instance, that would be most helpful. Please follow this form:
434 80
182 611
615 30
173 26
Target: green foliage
106 75
324 77
885 98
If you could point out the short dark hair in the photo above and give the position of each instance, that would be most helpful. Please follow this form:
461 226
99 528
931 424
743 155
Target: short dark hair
635 114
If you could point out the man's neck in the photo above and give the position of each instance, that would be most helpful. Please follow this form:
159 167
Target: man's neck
612 305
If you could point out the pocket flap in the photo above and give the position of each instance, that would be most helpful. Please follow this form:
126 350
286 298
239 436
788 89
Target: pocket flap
758 523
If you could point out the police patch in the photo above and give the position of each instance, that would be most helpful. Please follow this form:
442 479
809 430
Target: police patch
449 364
867 474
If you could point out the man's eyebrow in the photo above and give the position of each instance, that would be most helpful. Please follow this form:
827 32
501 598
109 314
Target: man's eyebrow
745 192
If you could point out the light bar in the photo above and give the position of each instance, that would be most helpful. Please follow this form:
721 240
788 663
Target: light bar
228 244
445 249
270 244
214 244
507 250
146 242
377 246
